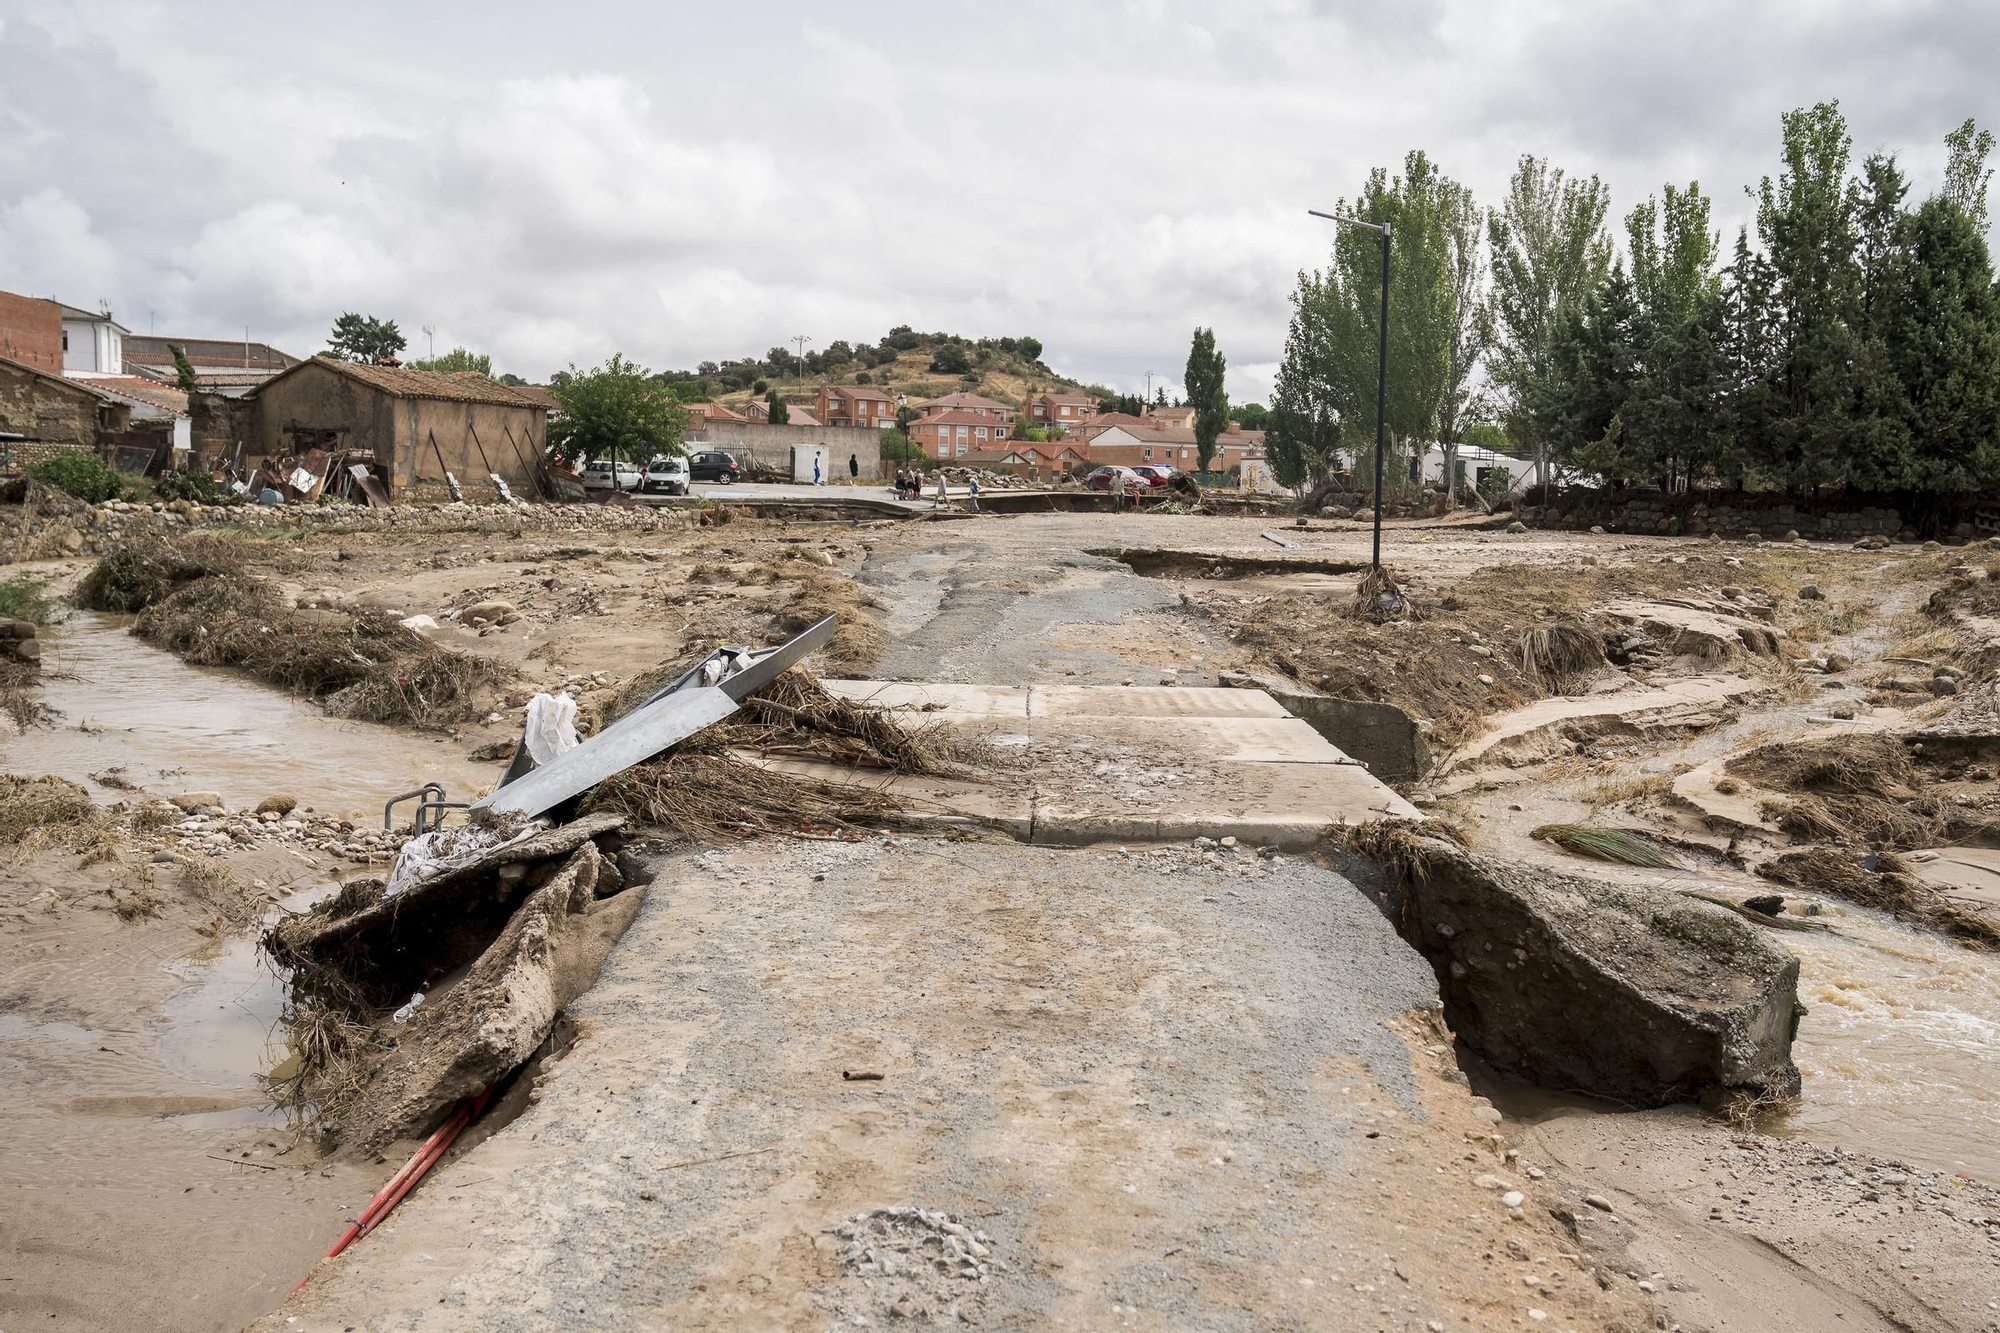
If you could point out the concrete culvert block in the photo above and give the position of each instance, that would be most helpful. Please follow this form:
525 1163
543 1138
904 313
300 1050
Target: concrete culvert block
1640 995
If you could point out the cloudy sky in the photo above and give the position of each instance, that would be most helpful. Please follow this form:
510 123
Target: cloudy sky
680 182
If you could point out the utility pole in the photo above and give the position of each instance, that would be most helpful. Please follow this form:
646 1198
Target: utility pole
1381 368
802 340
430 340
1146 403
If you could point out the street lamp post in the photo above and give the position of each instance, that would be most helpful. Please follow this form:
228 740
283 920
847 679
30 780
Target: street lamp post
1381 367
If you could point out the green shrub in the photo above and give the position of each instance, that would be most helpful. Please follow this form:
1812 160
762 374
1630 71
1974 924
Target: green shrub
26 598
86 476
196 486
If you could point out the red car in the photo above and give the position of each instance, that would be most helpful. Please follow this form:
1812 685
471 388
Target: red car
1100 480
1159 473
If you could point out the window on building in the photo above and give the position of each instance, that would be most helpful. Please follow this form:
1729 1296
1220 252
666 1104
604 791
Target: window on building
961 448
981 432
1147 454
961 432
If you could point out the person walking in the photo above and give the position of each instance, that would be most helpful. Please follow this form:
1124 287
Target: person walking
943 497
853 467
816 476
1118 491
972 497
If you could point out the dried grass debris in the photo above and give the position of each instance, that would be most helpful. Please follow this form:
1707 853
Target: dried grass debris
1887 888
1620 846
1559 656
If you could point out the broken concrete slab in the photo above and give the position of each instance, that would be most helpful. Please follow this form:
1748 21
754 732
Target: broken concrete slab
1708 630
1386 740
480 1030
377 933
1643 996
1116 763
1550 726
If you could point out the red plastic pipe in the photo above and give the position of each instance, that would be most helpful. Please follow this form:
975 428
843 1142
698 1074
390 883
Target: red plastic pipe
411 1172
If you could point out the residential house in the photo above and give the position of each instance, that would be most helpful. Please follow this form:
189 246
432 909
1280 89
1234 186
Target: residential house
955 434
1171 416
414 425
796 414
854 405
43 413
976 404
1103 421
92 343
1129 446
1036 461
700 414
1061 411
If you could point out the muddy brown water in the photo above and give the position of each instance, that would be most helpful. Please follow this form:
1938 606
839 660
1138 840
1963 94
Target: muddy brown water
132 1064
173 728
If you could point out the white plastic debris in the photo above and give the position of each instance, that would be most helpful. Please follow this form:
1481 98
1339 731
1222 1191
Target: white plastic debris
551 727
418 623
403 1015
429 855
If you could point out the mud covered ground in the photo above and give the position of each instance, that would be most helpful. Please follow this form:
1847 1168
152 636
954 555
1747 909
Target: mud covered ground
1711 650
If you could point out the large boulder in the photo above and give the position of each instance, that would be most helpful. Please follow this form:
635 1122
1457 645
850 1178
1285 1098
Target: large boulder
1640 995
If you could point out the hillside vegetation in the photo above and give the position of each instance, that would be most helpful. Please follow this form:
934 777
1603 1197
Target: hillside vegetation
921 365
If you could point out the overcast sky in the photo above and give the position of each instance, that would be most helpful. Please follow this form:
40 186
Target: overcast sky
681 182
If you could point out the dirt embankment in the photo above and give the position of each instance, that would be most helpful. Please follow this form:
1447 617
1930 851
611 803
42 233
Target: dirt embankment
1478 642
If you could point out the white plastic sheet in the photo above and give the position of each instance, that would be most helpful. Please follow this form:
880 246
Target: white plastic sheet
429 855
551 727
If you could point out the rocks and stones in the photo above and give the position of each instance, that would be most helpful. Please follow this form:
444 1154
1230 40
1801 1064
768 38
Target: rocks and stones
192 801
1684 1000
915 1263
481 614
1769 904
278 803
1517 526
1811 593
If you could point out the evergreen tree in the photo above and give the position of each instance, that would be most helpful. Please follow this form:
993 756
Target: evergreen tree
1204 381
775 410
1303 428
1806 222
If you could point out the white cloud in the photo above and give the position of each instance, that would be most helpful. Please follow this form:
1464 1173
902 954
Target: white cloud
686 184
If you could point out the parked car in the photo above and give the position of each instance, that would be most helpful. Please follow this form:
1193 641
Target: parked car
668 475
599 476
1100 480
1159 474
714 466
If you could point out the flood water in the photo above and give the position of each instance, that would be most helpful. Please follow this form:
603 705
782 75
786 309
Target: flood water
174 728
145 1184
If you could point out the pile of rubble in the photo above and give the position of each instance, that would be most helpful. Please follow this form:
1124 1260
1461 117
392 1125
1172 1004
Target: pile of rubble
988 480
915 1264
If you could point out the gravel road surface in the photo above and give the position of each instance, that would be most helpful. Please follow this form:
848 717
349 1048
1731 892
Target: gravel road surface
1166 1089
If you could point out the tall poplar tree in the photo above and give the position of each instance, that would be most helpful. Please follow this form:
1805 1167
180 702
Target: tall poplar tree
1206 394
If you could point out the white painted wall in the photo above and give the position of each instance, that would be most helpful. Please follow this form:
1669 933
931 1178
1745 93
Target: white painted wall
93 347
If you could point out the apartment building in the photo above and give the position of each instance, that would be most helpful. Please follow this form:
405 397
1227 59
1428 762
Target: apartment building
1061 411
954 434
854 405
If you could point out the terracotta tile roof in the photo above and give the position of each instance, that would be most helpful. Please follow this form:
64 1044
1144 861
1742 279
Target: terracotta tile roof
714 412
150 392
959 419
218 353
859 391
462 386
1115 419
1146 434
1084 399
537 394
953 401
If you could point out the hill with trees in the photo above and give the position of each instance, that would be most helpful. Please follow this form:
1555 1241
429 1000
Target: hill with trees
901 361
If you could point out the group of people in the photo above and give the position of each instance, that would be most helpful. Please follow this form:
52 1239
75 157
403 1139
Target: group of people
910 486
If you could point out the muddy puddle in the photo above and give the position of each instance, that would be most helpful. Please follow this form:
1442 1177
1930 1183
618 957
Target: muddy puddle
171 728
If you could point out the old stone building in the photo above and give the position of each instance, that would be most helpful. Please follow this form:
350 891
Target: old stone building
416 424
50 413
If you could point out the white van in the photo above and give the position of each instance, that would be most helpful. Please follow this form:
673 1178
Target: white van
667 475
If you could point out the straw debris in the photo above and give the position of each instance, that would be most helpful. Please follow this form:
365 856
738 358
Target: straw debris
1888 888
1557 657
49 812
1618 845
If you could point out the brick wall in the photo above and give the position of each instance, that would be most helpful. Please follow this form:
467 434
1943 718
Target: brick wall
31 331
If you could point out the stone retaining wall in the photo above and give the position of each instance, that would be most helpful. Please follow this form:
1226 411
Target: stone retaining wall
1731 515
